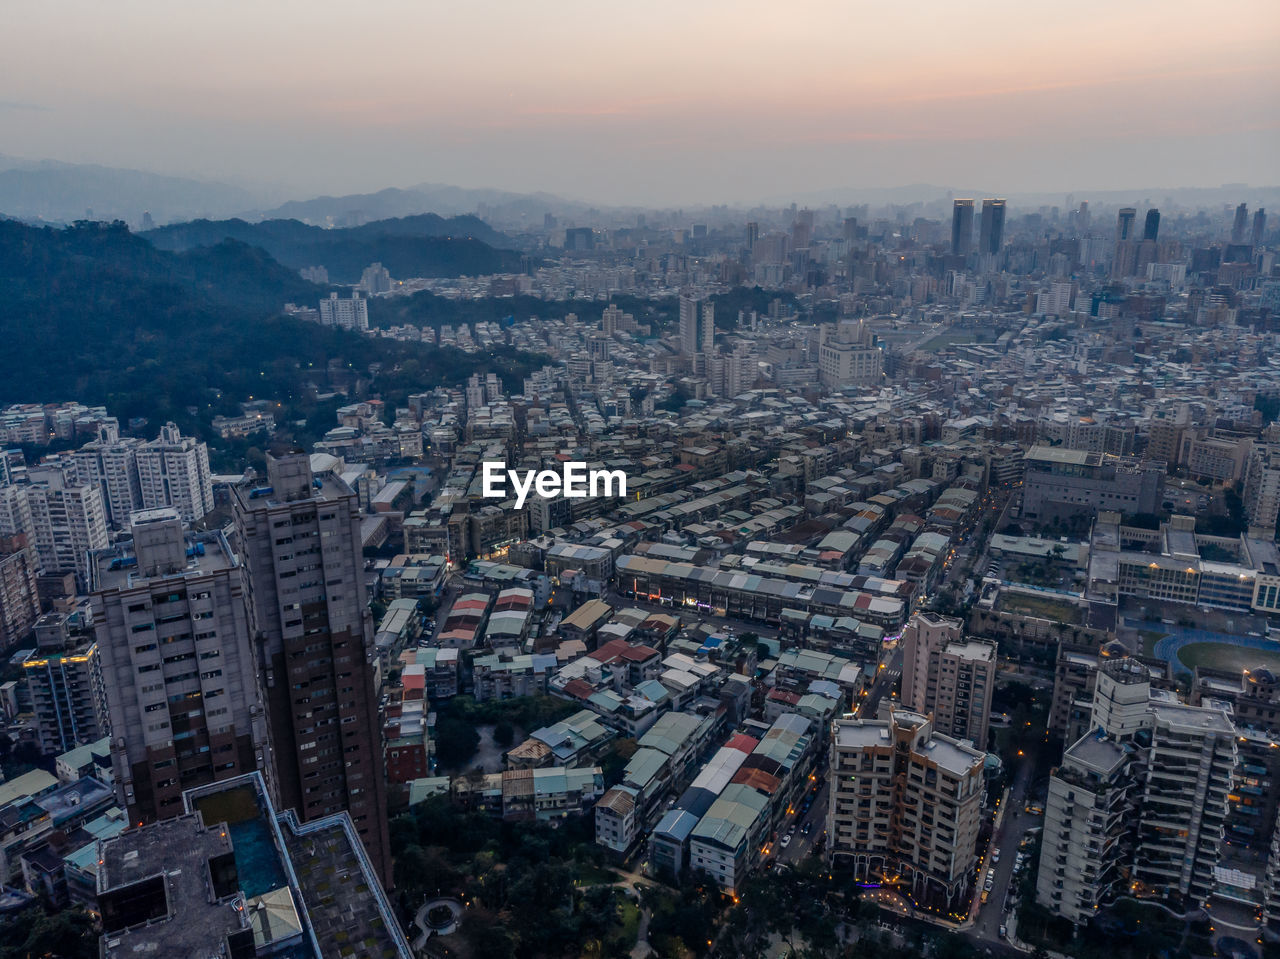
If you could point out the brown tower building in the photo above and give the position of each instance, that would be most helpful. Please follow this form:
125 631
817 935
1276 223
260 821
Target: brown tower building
300 540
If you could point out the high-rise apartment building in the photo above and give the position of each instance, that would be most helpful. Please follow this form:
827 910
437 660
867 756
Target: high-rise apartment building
1140 802
1262 490
697 325
65 686
352 314
68 520
991 229
111 464
947 677
178 665
300 540
375 279
19 596
961 227
173 470
906 808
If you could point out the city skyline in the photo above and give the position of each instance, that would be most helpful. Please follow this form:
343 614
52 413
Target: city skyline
725 104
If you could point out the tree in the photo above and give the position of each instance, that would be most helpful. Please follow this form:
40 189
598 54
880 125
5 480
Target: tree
504 734
456 742
68 934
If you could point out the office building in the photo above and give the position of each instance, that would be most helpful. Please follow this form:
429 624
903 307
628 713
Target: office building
947 677
991 229
300 540
906 808
1061 482
1151 228
1139 803
352 314
1126 221
233 878
962 227
697 325
849 357
1259 228
1239 223
173 470
178 664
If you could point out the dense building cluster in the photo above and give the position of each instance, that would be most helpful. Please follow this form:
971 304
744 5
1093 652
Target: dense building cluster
962 454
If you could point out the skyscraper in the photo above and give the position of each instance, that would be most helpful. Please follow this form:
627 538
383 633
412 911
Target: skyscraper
1151 229
991 231
178 666
962 227
308 612
753 234
1259 227
1237 227
697 324
1125 223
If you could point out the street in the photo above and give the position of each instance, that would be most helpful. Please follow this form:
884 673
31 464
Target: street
988 917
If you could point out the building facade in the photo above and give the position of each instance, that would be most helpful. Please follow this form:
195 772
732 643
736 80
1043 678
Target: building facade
906 808
309 615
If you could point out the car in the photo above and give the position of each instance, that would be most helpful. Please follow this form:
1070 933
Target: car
995 854
1004 932
786 841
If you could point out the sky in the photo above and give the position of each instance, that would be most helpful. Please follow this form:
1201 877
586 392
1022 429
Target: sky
654 102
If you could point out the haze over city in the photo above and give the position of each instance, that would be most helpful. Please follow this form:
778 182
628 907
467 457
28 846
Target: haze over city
654 103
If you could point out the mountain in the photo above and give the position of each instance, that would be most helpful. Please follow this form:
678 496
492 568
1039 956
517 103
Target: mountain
98 314
425 245
63 192
438 198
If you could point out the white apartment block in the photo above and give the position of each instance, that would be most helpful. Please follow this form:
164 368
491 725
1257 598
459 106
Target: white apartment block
174 471
68 520
1139 804
352 314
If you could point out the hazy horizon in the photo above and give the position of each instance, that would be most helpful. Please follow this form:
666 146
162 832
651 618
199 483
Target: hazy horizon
659 105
